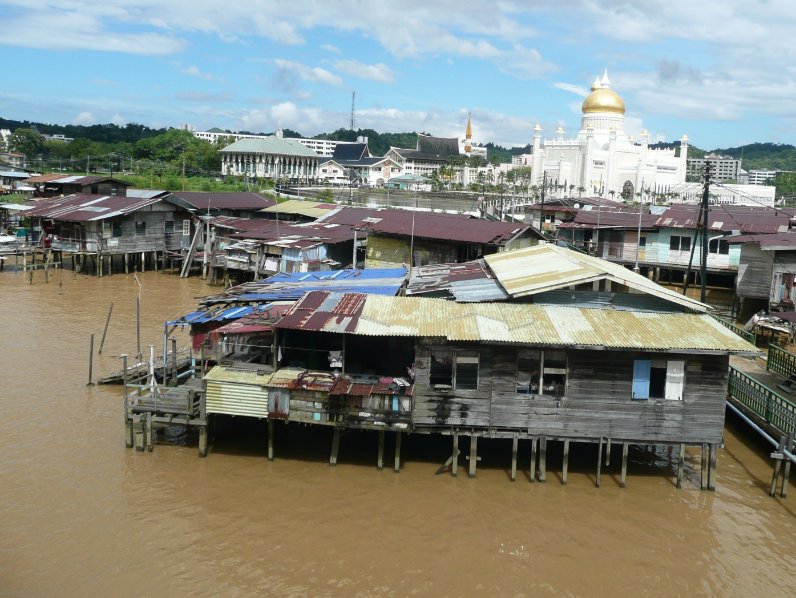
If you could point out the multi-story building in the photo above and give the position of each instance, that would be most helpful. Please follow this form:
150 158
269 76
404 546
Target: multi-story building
722 168
322 147
762 176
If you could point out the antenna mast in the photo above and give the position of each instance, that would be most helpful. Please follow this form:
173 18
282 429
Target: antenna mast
353 97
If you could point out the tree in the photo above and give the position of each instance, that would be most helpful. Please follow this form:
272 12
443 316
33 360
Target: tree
26 141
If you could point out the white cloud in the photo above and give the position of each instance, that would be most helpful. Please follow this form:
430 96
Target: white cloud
195 71
307 73
119 120
331 48
374 72
84 118
576 89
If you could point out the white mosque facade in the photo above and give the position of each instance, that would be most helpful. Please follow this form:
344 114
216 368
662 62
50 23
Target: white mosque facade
603 160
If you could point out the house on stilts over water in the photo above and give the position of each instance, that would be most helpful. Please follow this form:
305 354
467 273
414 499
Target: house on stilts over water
535 345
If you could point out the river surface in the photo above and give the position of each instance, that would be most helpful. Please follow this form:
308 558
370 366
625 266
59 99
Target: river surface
81 515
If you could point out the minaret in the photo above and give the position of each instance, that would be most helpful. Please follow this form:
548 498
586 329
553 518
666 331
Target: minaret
468 135
683 156
538 161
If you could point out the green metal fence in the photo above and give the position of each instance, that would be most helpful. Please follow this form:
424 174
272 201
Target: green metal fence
780 361
773 408
749 336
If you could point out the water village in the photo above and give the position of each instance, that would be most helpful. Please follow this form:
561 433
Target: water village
543 320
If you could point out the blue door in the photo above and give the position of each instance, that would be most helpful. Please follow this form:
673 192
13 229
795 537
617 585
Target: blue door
641 378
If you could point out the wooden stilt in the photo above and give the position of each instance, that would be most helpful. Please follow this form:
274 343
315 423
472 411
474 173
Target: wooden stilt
143 262
703 478
608 452
203 441
714 449
565 465
543 459
514 442
335 446
380 462
270 440
150 442
533 458
455 455
623 481
599 462
126 264
680 466
138 428
397 465
786 473
473 455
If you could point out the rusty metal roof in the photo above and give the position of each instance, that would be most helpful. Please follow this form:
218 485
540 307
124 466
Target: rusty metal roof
300 207
546 267
527 324
591 219
783 241
234 200
468 281
745 219
429 225
83 207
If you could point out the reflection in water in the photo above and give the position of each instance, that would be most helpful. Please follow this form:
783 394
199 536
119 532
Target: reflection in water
83 515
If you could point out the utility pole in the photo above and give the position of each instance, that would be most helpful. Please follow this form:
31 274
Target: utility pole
705 199
638 235
541 213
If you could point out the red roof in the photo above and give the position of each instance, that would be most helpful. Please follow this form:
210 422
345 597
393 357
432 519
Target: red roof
428 225
225 201
726 218
82 207
323 311
610 219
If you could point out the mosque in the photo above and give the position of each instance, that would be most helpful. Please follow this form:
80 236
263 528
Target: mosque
603 160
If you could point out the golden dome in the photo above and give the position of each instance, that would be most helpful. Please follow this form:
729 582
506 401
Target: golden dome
603 99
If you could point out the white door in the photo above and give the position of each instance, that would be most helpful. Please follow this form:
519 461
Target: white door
675 377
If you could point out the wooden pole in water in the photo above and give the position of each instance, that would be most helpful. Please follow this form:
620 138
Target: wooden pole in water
565 466
543 459
174 377
473 454
105 331
599 461
270 438
533 459
714 449
397 464
680 466
138 319
380 461
455 455
90 360
335 446
514 442
128 423
624 464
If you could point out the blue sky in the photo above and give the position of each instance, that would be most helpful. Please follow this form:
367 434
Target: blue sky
721 71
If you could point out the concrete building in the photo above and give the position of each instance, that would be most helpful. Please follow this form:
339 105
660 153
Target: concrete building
722 168
602 159
271 157
322 147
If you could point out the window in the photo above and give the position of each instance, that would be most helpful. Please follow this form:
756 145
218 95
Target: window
642 241
116 229
186 227
719 246
168 227
677 243
542 372
106 228
454 369
658 379
140 227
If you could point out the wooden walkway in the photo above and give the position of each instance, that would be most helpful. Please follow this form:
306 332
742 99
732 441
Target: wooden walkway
759 392
141 369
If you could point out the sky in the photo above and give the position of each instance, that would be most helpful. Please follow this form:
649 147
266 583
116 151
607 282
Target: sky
721 71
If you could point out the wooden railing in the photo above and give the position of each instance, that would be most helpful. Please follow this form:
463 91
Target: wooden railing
749 336
780 361
773 408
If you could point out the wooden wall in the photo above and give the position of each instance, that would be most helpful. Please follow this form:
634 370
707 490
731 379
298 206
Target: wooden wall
754 272
597 402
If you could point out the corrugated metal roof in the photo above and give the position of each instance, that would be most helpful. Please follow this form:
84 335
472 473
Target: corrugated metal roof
237 200
83 207
528 324
724 218
429 225
785 241
468 281
547 267
325 312
300 207
221 373
270 145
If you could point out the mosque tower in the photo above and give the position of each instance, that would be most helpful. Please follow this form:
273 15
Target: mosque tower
468 135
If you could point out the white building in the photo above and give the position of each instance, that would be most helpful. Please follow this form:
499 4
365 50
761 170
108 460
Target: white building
722 168
270 157
603 160
322 147
762 177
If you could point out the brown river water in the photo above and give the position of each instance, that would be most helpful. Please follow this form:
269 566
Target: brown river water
81 515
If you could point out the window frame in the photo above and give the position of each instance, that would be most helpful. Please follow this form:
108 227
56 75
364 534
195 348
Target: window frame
674 381
455 363
542 369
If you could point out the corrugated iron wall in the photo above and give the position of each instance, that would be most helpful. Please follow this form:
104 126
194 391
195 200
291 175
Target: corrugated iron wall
237 399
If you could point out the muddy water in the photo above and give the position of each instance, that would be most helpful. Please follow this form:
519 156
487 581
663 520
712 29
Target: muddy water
81 515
